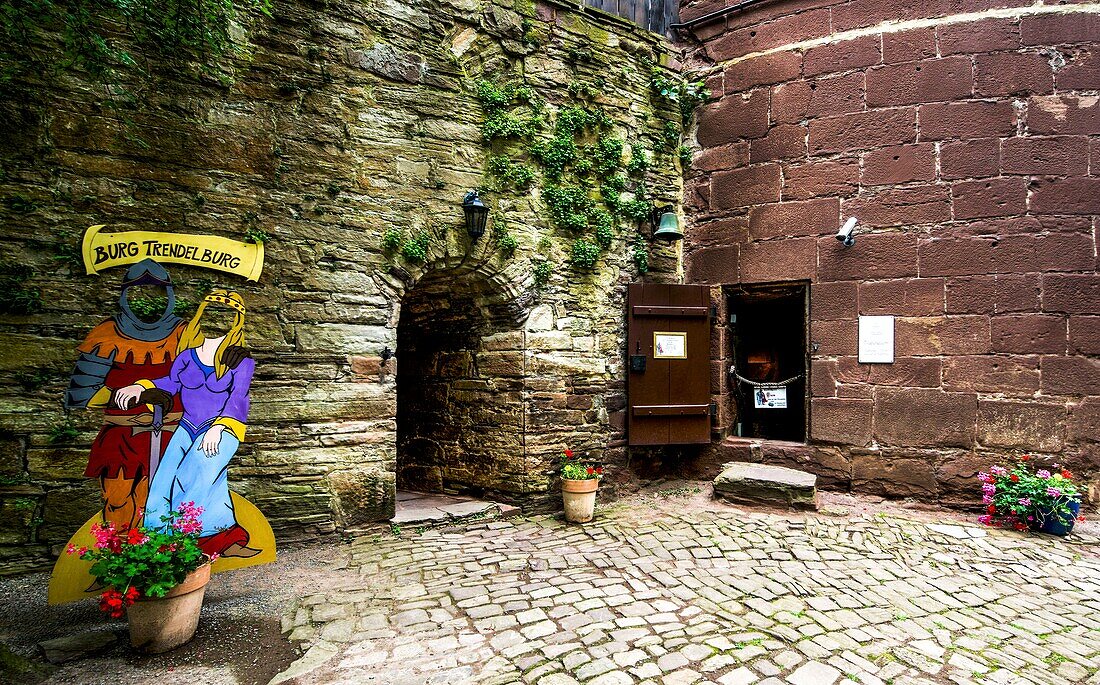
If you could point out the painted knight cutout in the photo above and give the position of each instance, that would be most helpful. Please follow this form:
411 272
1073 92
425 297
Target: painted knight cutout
116 353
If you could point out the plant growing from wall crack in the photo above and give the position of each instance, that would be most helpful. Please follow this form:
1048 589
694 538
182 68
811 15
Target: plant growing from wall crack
574 155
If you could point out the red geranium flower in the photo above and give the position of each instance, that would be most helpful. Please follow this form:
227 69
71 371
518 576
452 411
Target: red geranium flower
992 509
1015 478
1066 474
599 469
591 470
1025 458
569 453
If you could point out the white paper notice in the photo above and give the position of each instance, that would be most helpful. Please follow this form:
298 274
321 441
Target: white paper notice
876 340
770 398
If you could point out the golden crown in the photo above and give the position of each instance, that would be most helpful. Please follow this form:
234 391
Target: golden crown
233 302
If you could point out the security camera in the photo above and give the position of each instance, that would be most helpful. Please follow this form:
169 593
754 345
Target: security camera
847 232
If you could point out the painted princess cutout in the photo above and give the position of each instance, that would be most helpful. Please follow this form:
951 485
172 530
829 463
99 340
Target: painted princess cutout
214 392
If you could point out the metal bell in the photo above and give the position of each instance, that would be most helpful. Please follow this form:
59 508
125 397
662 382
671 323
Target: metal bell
669 228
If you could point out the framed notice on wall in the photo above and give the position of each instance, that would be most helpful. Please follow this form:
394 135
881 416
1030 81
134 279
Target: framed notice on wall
876 340
669 345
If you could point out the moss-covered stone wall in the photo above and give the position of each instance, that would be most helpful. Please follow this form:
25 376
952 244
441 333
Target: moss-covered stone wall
338 122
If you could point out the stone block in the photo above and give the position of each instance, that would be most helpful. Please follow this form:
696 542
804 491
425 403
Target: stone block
793 219
862 130
841 421
733 118
1074 195
1084 421
880 256
1021 425
1070 375
906 206
783 141
989 197
362 496
843 55
902 297
879 474
1028 333
963 120
748 483
1013 73
1065 114
829 464
778 260
919 417
899 164
833 300
970 158
930 80
986 35
776 67
745 187
66 509
834 177
908 46
1051 156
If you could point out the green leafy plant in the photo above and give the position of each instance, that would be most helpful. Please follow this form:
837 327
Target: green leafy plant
680 91
584 254
34 378
575 468
639 252
256 235
63 432
150 306
144 561
512 173
543 271
415 247
15 296
392 239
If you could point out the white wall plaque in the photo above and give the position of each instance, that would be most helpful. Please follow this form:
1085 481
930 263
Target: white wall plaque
669 345
876 340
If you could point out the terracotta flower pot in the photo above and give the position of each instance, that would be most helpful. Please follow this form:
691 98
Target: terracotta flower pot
579 498
158 624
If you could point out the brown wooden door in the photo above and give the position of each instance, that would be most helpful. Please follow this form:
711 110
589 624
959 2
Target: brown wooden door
668 401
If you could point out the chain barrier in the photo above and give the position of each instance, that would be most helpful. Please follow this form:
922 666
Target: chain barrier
758 384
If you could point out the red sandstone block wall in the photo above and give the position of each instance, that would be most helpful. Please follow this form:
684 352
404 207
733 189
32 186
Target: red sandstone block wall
970 153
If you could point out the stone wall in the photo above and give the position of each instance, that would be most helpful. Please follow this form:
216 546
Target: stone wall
964 138
339 120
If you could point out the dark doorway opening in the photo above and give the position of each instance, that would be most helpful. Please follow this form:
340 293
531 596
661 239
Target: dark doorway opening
768 335
459 388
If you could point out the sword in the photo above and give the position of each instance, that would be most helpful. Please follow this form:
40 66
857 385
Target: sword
154 440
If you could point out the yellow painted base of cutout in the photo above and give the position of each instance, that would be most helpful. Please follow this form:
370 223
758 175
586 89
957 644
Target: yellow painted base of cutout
71 575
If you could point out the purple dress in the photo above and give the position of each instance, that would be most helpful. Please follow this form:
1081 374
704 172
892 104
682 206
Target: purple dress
186 473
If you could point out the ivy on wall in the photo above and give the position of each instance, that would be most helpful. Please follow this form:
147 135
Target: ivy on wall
93 33
587 188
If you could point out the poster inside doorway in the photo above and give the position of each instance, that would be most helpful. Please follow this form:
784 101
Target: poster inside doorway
771 398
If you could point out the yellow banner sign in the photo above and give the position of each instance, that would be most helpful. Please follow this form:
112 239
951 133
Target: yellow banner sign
103 250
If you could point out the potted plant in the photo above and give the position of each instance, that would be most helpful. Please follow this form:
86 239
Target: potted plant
1024 496
157 578
579 480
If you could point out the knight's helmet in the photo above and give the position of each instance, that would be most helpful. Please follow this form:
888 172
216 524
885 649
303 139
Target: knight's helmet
147 272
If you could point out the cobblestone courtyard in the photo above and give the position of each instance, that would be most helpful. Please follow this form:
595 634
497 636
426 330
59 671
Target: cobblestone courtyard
680 590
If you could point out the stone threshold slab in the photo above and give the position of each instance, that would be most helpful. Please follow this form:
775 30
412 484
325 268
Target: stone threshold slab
431 508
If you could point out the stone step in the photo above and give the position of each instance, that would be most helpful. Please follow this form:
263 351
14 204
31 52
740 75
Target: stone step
748 483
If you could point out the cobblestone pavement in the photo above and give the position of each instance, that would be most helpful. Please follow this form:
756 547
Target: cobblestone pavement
678 591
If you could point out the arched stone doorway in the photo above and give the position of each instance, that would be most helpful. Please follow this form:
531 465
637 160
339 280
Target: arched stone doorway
461 405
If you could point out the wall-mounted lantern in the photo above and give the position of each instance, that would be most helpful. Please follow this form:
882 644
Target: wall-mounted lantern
667 224
476 214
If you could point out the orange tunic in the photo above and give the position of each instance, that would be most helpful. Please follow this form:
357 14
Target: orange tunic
125 448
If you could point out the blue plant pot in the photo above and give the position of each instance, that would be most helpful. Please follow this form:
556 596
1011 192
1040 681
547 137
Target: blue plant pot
1055 525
